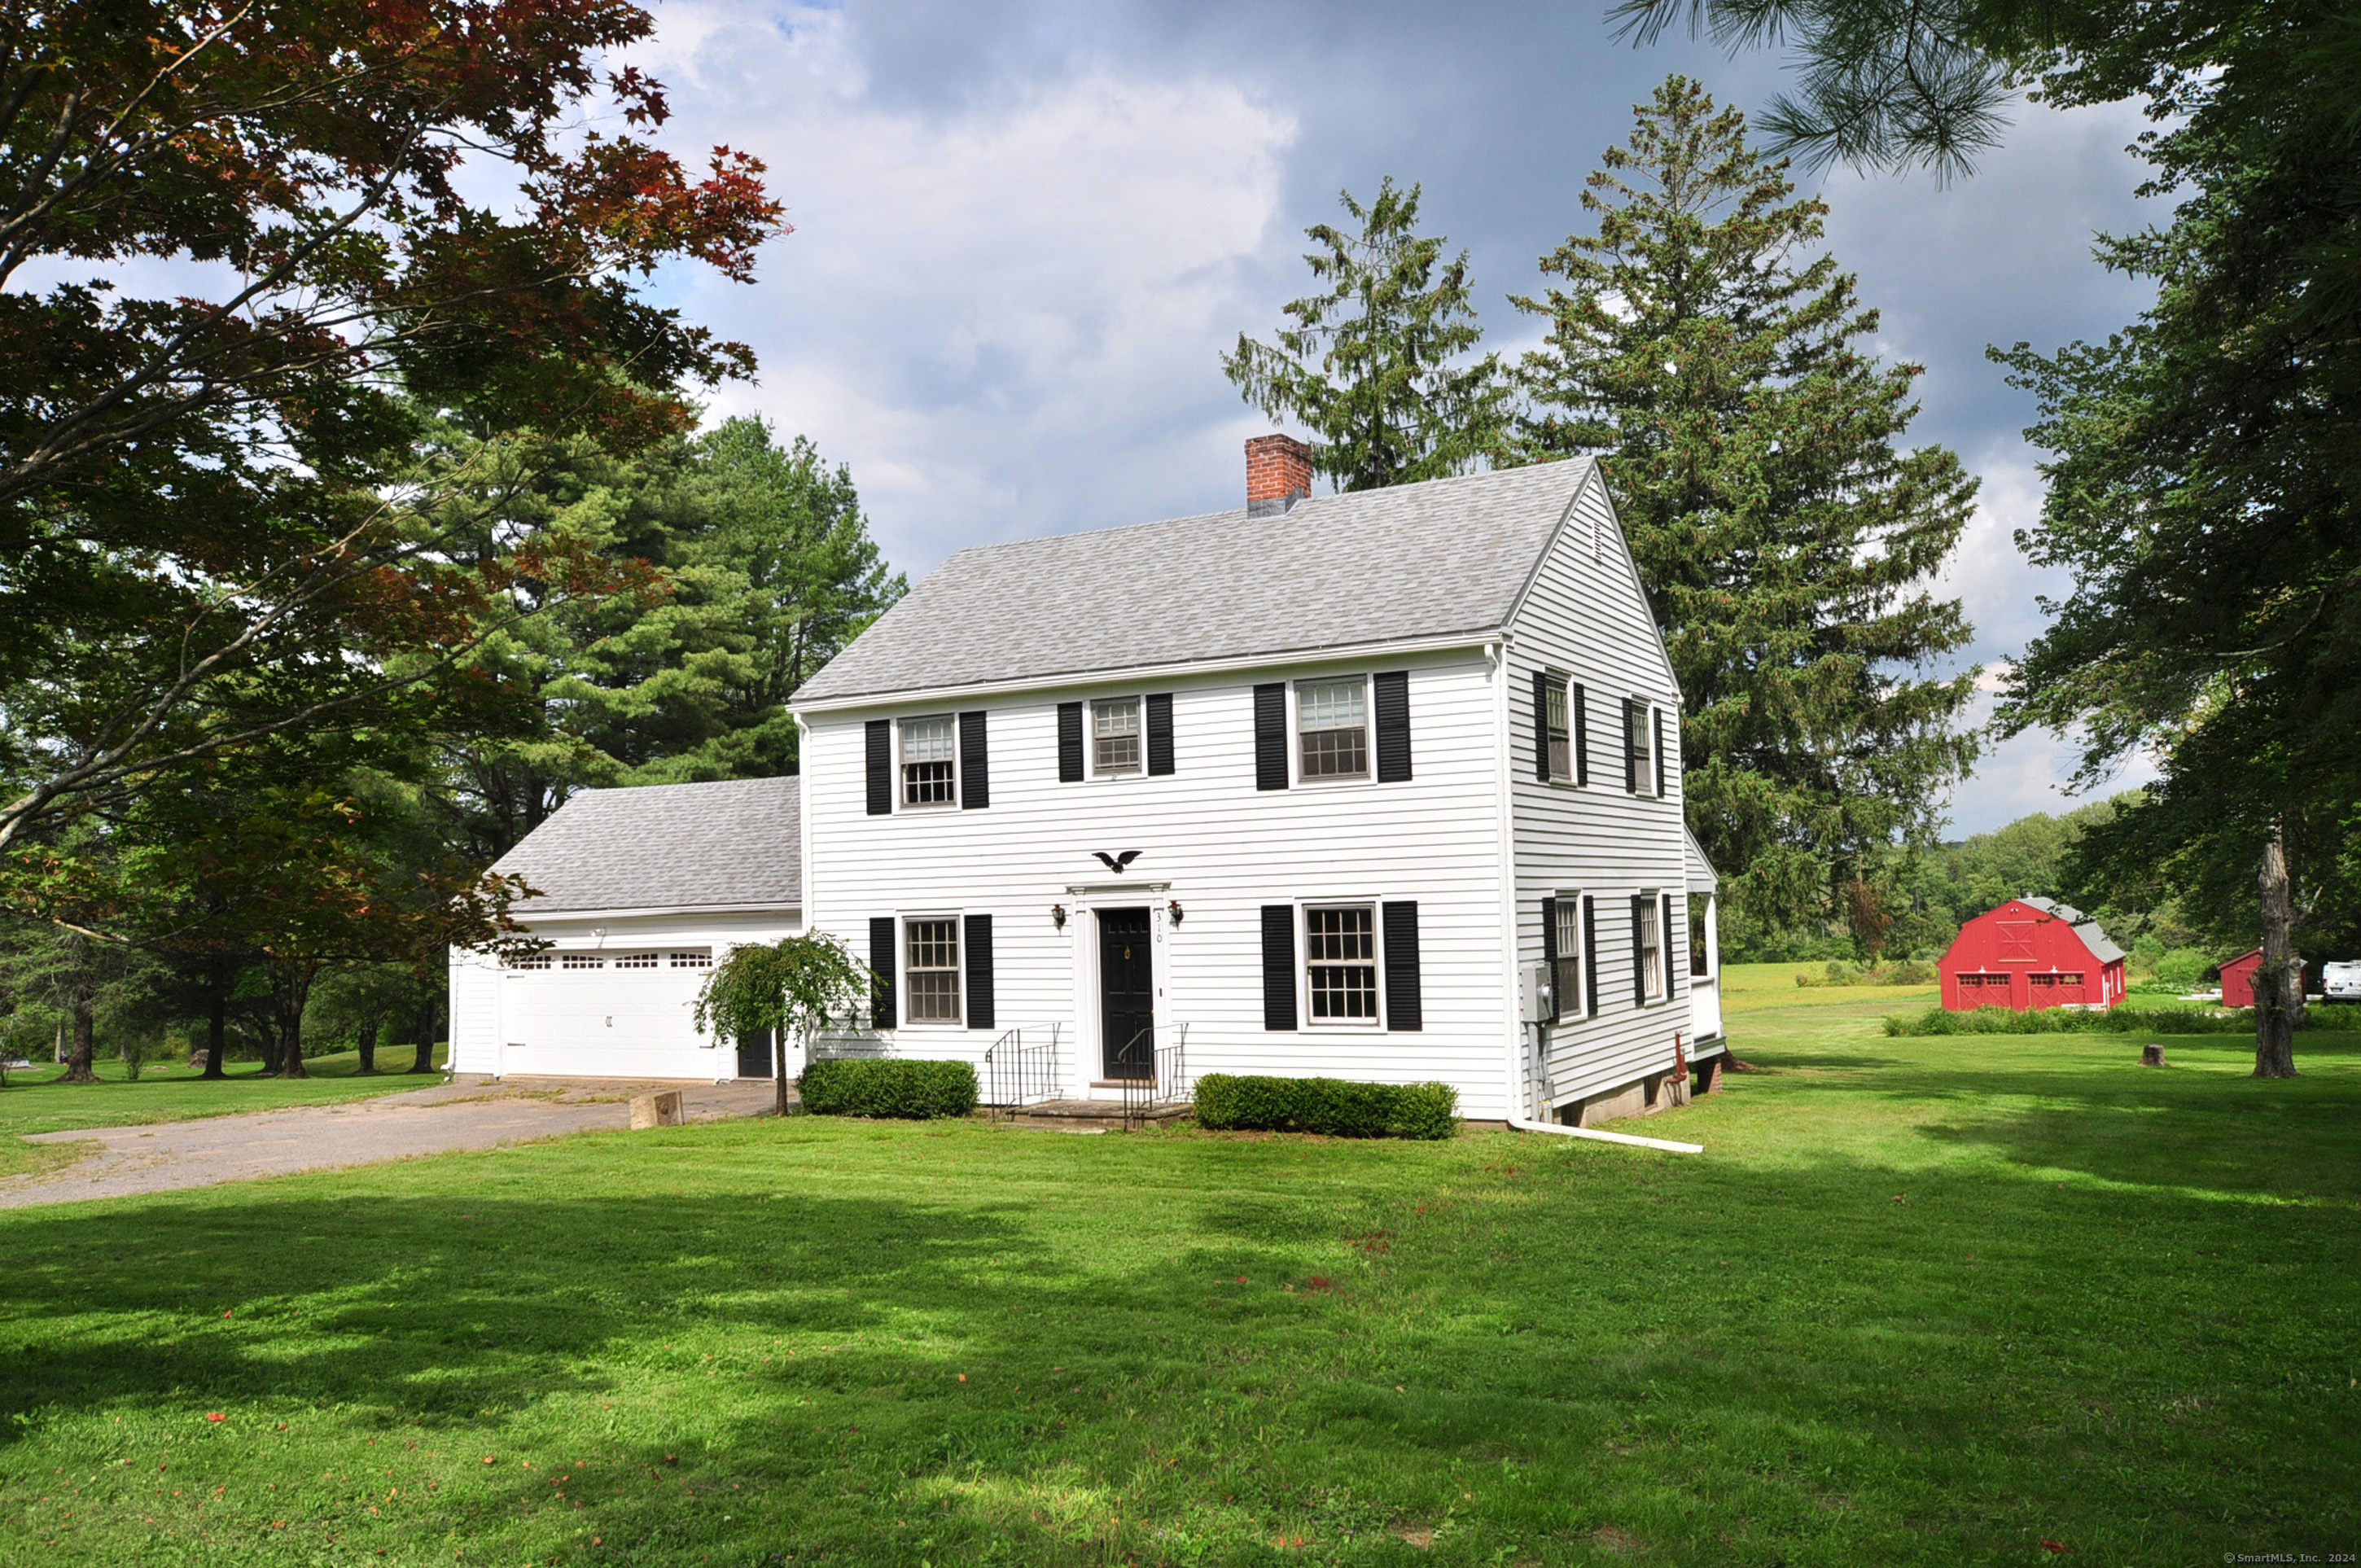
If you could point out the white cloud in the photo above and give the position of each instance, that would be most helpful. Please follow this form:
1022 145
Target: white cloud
1007 317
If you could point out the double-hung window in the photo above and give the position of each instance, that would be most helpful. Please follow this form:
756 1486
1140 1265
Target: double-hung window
1652 950
1115 737
1565 985
1340 948
1331 720
1560 730
932 967
928 746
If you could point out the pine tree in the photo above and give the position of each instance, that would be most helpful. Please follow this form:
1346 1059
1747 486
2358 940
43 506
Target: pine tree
1374 367
1705 348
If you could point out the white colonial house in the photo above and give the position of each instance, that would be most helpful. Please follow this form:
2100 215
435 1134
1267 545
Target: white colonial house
1383 785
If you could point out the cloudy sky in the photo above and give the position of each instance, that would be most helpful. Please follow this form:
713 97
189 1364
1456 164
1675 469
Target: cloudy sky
1025 230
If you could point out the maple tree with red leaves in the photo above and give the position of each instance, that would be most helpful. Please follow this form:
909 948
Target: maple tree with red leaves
209 537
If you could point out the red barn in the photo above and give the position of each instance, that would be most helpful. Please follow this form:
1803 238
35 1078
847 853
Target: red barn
2028 953
2238 978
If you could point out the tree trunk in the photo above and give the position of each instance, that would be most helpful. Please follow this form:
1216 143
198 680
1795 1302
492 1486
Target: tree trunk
430 1013
368 1043
216 1020
2279 983
291 991
78 1057
779 1064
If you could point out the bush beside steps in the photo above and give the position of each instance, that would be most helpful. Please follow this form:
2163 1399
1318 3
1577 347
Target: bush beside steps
888 1086
1341 1109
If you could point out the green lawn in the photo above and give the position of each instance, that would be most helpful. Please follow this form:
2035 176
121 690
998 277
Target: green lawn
1923 1301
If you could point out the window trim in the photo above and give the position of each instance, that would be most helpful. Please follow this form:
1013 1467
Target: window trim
1373 907
1560 689
1091 768
902 801
1660 972
1368 773
1639 747
1566 903
903 969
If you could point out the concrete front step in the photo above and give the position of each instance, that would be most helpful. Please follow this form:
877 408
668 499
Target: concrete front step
1072 1115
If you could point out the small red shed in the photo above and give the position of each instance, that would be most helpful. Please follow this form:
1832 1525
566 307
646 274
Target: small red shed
2030 953
2238 978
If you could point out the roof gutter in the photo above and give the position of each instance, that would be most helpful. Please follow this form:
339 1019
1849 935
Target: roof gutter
1135 673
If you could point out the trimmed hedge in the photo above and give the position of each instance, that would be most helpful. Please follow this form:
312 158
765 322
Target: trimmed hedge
2114 1021
888 1086
1230 1103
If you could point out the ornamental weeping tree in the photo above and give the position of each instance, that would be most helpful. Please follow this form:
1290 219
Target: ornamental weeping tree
1375 365
793 986
1706 349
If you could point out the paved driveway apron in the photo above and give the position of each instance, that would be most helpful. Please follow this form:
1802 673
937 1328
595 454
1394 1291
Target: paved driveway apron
469 1113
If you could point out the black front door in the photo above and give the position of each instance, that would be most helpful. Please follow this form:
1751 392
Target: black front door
755 1054
1126 993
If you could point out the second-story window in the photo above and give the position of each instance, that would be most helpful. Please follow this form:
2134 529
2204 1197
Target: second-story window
1333 722
1561 731
928 748
1114 736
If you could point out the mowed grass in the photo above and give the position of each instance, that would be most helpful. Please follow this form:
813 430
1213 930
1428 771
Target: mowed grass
1931 1301
36 1101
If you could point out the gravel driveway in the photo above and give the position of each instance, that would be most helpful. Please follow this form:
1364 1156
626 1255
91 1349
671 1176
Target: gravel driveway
470 1113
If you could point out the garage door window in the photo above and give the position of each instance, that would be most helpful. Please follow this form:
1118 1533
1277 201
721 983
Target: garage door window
581 961
530 960
635 960
696 957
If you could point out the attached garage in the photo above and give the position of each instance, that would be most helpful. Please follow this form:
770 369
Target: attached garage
639 893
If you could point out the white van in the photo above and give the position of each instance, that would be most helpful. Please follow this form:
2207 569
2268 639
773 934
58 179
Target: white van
2341 982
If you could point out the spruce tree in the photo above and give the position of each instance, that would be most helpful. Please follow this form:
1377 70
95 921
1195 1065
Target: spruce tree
1706 347
1375 365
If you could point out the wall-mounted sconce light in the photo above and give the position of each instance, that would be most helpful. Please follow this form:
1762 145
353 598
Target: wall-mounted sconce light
1172 911
1057 915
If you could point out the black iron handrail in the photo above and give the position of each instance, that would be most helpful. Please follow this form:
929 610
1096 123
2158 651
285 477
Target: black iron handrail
1016 1074
1167 1082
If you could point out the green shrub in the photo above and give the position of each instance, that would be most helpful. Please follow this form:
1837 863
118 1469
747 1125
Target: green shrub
2115 1021
888 1086
2183 967
1902 972
1341 1109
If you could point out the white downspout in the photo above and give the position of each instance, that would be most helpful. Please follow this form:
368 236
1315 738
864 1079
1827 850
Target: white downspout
1515 1035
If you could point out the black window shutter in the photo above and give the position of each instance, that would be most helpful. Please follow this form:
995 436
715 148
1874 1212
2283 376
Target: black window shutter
881 972
1279 965
1159 732
1660 749
1393 693
1070 742
1541 725
1639 959
1271 758
1403 1008
1581 739
1631 746
1665 936
1589 956
880 737
975 765
979 972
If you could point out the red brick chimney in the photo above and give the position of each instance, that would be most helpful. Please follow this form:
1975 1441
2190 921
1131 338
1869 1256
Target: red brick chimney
1278 475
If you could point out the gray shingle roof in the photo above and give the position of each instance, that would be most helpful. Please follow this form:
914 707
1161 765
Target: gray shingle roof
2101 947
735 844
1426 560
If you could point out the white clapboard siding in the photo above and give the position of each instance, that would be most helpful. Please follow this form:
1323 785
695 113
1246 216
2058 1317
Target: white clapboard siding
1223 848
605 1022
1586 616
